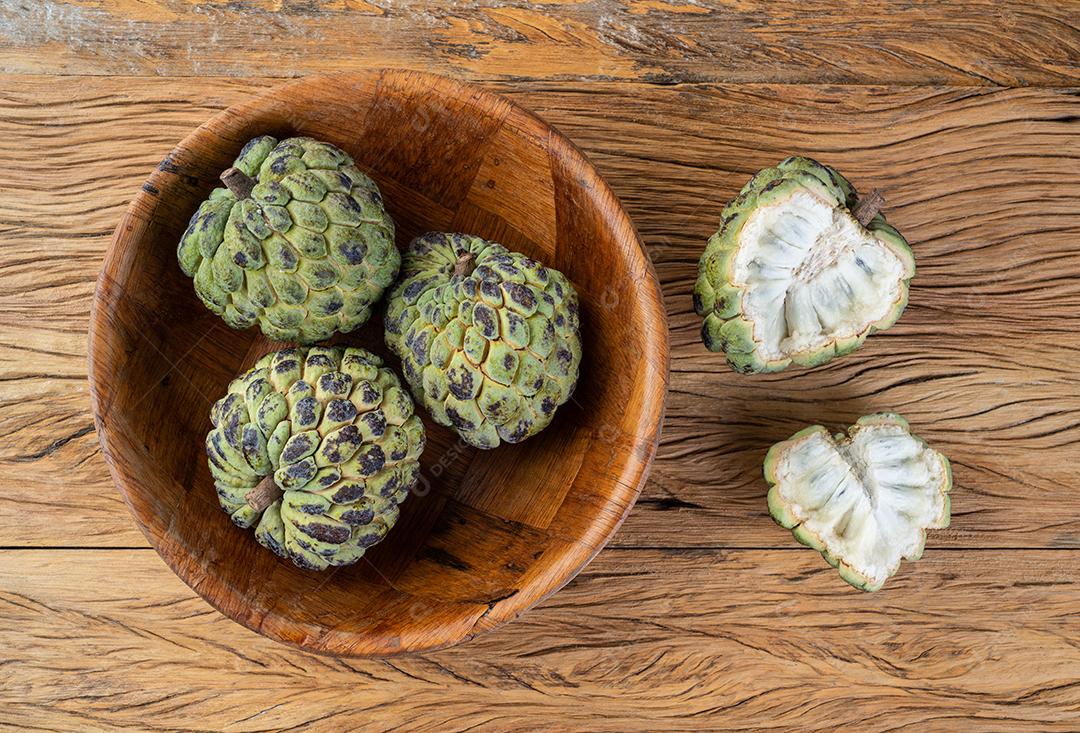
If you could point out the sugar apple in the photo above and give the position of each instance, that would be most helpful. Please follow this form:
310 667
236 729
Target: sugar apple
489 339
864 500
298 242
317 447
801 270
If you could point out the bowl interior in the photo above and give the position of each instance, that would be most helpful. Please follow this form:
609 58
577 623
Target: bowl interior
487 533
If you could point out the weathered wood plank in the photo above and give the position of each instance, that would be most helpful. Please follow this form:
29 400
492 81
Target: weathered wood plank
642 640
975 42
984 183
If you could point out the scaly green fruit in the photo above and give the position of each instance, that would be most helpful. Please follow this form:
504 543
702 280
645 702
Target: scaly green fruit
488 338
318 447
298 242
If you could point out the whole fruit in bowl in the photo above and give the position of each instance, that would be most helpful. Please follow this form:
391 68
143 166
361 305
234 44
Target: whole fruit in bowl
316 448
298 241
488 338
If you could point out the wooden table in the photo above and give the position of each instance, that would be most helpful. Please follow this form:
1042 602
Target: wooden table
702 614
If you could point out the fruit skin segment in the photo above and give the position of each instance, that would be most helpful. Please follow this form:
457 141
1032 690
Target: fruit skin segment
316 448
302 246
489 339
721 298
789 506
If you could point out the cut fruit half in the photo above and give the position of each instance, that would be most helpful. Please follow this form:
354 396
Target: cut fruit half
793 276
864 500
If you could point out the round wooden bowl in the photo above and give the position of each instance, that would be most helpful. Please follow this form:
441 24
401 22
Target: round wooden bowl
487 533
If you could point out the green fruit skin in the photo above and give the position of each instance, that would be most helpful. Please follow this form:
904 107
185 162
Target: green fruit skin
491 353
718 300
306 256
337 431
782 514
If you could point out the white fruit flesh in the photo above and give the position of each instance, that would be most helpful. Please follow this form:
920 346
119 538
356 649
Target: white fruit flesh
813 275
867 499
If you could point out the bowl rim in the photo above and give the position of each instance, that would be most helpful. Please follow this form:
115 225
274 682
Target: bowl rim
574 556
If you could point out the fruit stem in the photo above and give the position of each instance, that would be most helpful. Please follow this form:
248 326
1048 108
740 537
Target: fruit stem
868 207
239 183
466 263
263 495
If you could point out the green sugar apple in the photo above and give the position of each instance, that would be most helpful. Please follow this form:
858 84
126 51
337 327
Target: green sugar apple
316 448
489 339
298 241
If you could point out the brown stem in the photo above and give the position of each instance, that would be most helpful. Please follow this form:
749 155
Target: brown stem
868 207
239 183
466 263
263 495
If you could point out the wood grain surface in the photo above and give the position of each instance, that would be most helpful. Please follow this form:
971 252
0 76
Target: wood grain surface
702 614
970 42
982 357
642 640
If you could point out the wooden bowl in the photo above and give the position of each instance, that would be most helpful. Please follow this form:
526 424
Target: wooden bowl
488 533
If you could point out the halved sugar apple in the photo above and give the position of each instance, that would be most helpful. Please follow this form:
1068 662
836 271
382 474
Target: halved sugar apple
800 271
298 242
316 448
864 500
